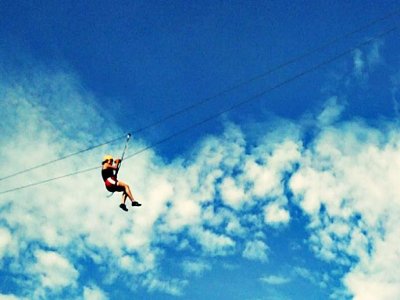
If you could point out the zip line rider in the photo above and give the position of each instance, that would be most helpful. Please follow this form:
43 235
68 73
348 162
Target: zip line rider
109 173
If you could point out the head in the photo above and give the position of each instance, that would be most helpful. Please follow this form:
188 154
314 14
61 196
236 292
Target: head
107 159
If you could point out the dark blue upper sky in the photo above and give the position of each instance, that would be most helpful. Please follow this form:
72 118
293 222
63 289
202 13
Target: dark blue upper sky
145 59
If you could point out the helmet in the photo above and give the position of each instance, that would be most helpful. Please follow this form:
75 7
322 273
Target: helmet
107 158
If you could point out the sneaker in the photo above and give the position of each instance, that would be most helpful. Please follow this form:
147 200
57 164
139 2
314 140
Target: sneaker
123 207
135 203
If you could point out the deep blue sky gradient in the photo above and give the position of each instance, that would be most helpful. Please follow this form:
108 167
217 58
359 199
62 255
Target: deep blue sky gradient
145 59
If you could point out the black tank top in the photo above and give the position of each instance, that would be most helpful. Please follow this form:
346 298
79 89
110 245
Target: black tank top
106 173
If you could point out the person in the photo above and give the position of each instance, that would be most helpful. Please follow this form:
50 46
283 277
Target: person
109 173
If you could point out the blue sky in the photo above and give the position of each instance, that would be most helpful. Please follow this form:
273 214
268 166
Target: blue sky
294 195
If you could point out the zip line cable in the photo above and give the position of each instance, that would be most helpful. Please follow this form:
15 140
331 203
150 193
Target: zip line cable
259 95
227 90
255 97
269 71
62 158
128 137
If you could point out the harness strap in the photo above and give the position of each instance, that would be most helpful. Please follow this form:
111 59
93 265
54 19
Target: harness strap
128 136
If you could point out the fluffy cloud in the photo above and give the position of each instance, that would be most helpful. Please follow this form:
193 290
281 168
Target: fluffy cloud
178 198
5 241
276 215
213 243
216 202
173 287
195 267
54 270
256 250
93 293
352 206
331 112
231 193
364 62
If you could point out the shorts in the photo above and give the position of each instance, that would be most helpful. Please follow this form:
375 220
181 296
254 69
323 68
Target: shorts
111 185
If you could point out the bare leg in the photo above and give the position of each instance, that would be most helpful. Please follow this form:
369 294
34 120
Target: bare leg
127 192
124 195
122 205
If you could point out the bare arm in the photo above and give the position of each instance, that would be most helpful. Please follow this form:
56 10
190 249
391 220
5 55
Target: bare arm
110 166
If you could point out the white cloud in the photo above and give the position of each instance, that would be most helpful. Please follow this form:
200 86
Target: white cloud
358 61
365 61
5 241
231 193
377 276
318 279
338 179
214 244
234 227
93 293
57 214
195 267
265 168
274 214
307 274
54 270
362 286
256 250
9 297
331 112
275 280
173 287
348 185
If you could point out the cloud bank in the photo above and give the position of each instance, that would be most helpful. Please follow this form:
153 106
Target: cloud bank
219 200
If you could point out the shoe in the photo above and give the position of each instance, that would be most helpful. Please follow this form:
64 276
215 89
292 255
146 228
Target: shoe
123 207
135 203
